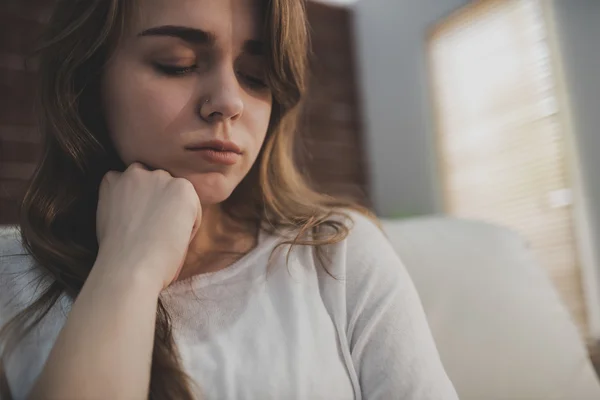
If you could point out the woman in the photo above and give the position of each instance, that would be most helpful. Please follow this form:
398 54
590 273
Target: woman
176 252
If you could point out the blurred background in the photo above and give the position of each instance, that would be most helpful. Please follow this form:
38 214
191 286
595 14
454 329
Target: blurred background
485 110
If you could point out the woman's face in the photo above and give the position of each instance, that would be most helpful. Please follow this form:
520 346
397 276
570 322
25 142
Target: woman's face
186 83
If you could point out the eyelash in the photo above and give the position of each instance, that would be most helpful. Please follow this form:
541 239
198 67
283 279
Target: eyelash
171 70
174 71
253 82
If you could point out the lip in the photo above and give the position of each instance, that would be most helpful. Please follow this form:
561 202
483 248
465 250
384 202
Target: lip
218 157
216 145
217 151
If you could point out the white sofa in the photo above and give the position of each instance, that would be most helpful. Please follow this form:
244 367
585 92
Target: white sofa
500 328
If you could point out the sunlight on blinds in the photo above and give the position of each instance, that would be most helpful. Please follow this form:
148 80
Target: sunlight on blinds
499 133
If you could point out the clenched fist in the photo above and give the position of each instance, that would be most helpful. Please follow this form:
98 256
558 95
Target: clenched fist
146 220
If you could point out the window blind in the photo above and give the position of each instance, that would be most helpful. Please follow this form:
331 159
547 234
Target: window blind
500 137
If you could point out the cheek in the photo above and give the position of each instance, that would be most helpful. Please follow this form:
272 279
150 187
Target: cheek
141 111
259 114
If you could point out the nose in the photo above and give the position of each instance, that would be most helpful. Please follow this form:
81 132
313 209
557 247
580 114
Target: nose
222 101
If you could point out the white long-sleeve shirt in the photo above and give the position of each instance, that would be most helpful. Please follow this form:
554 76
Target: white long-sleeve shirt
259 329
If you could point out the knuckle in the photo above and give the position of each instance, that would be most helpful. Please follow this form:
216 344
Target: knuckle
180 183
183 186
108 177
136 169
161 173
136 166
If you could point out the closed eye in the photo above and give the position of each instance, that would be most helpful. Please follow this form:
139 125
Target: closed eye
252 81
174 70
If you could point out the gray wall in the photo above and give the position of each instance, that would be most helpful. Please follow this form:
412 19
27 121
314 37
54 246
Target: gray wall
578 35
392 62
393 68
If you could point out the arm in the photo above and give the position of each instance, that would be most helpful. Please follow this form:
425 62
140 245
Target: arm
104 350
391 345
145 221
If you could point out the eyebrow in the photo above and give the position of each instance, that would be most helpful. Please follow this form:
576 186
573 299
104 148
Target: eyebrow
197 36
190 35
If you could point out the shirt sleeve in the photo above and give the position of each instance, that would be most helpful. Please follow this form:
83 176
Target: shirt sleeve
391 345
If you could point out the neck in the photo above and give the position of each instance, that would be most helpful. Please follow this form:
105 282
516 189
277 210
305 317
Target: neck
220 241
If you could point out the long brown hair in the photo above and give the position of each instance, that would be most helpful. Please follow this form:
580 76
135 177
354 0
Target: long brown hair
57 218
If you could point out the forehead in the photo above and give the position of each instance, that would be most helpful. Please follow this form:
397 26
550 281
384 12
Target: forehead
228 20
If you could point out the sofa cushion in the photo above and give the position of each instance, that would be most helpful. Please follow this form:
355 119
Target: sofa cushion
499 325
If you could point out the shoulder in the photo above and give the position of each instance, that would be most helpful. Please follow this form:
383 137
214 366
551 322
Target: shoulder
366 240
14 259
366 251
364 233
20 280
10 240
374 283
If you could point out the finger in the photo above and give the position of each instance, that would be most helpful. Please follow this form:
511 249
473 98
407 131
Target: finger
138 165
109 178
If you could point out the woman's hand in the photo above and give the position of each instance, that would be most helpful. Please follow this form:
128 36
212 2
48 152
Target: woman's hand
146 220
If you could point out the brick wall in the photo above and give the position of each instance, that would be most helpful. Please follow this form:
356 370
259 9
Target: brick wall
20 25
331 124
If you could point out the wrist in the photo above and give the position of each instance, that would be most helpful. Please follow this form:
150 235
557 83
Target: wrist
121 275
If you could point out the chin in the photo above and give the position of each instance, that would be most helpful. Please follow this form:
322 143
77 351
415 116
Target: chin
212 188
